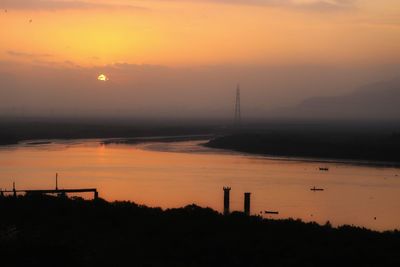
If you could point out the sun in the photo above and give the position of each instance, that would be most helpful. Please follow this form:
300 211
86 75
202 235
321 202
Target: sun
102 78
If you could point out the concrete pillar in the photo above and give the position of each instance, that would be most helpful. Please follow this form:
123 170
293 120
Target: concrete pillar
226 200
247 203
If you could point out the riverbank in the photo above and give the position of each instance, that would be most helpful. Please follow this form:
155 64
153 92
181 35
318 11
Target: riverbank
163 139
35 131
39 231
359 148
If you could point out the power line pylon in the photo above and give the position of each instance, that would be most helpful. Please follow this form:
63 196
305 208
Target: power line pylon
238 117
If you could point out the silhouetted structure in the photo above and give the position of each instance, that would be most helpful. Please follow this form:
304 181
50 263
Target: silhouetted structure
238 116
58 192
56 181
271 212
14 191
226 200
247 203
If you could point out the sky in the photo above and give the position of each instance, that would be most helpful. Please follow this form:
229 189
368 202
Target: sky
175 57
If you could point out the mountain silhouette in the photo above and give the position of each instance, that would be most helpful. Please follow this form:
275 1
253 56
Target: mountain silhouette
378 100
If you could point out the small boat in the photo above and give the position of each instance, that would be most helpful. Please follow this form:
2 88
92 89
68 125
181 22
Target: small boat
271 212
316 189
325 169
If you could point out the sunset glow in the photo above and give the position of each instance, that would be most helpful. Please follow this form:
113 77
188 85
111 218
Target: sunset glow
201 32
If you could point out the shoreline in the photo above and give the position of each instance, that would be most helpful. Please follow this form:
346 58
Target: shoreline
267 146
311 159
163 139
112 140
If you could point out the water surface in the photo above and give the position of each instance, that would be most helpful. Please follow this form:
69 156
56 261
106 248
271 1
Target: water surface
178 173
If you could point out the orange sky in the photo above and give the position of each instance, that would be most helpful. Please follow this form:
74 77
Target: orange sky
177 58
203 32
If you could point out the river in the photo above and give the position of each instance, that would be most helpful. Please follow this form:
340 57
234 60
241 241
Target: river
175 174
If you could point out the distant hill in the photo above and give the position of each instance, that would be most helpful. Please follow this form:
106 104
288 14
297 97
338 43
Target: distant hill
379 100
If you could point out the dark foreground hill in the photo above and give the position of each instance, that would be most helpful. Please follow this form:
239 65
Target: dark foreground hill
46 231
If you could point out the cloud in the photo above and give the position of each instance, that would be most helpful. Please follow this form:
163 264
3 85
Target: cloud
306 5
333 5
26 55
53 5
381 20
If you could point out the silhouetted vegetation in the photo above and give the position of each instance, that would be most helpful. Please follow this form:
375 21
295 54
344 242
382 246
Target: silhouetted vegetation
48 231
352 146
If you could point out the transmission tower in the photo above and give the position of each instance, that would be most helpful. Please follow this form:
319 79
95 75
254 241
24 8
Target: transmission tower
238 117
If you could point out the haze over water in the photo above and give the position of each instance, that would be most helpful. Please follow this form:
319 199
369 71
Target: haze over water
176 174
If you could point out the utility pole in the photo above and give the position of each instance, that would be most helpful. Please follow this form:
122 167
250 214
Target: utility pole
14 190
